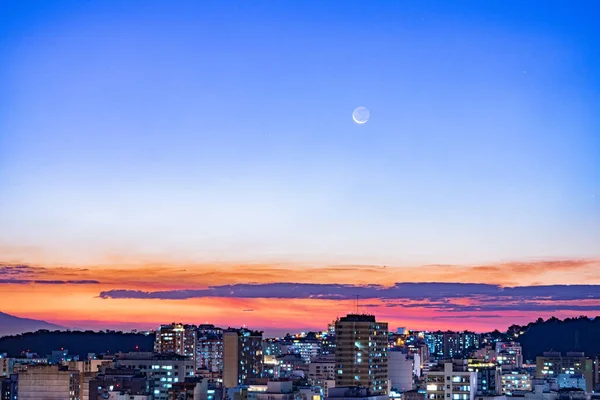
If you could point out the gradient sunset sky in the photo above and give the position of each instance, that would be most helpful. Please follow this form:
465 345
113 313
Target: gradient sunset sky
197 161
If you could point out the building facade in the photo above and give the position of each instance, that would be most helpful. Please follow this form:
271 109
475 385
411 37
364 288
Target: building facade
209 353
552 364
307 348
321 369
509 354
569 381
161 370
449 345
123 380
242 356
176 338
362 353
400 371
515 381
48 382
451 382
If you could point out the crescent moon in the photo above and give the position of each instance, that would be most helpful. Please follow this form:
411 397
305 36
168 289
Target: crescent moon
361 115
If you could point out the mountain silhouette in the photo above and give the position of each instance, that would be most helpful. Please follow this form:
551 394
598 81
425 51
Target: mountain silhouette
13 325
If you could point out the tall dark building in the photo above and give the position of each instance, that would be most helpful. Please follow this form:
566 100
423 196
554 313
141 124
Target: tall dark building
361 353
209 348
242 356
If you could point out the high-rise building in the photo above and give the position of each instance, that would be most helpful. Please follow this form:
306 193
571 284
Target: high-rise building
242 356
209 329
361 353
448 345
209 348
209 353
328 339
176 338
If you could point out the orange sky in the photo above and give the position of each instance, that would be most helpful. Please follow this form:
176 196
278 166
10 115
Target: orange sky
79 305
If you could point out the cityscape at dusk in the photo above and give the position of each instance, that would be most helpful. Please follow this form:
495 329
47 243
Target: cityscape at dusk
299 200
158 148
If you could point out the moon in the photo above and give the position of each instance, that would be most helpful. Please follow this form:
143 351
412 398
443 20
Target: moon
361 115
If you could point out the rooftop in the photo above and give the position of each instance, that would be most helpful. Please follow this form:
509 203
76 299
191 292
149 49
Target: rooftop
358 318
243 332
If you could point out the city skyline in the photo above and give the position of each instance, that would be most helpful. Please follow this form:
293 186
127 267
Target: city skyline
199 162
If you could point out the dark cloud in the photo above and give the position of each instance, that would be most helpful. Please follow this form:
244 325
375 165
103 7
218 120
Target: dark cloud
19 274
48 282
435 296
16 270
268 290
469 316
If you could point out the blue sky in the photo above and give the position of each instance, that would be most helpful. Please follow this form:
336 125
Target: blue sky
223 130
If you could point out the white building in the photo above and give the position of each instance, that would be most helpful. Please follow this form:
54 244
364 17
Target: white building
400 371
321 369
451 381
417 364
515 381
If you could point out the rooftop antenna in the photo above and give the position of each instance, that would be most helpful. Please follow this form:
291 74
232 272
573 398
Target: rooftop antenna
357 296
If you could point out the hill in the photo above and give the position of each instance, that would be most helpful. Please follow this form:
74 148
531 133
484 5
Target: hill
571 334
77 342
12 325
